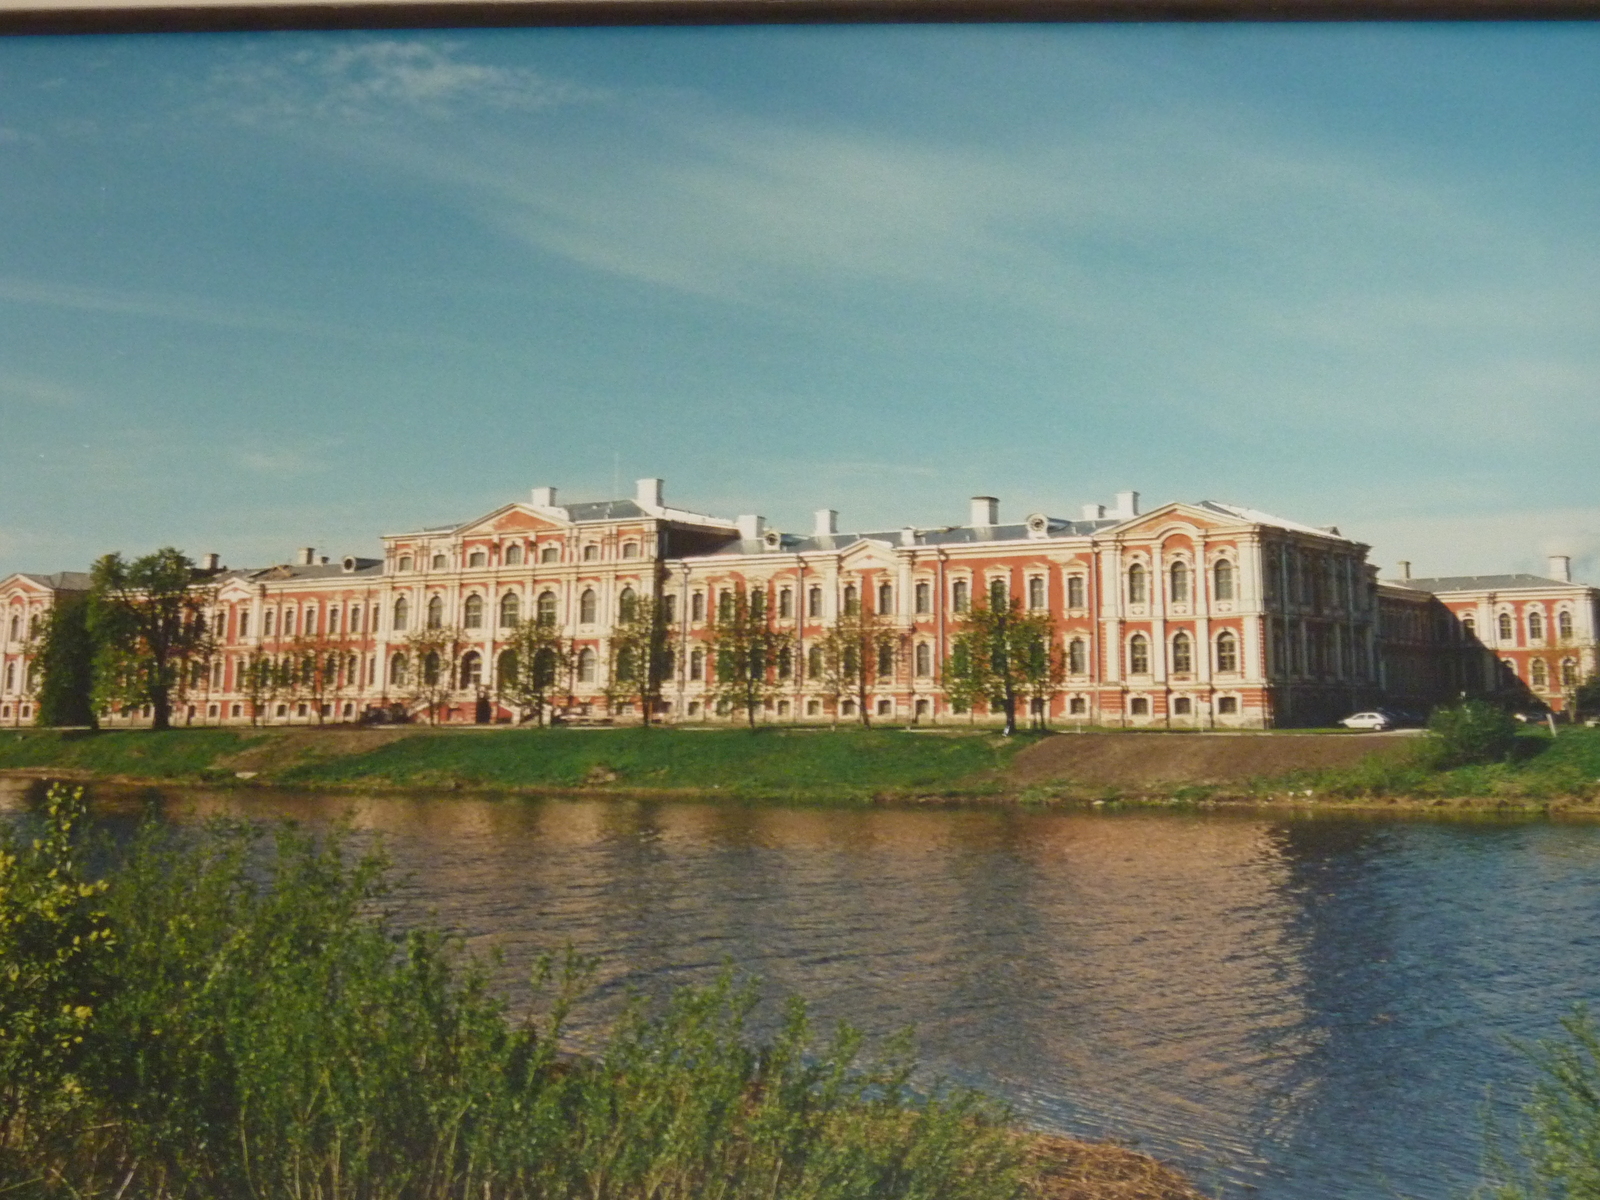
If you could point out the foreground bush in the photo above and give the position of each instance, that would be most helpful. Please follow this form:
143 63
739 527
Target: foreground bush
227 1016
1556 1155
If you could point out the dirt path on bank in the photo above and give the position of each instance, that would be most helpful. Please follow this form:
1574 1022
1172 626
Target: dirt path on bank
1147 760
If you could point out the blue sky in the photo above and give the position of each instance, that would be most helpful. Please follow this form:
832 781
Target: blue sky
265 291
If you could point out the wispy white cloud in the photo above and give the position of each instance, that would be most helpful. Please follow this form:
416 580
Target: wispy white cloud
155 306
364 81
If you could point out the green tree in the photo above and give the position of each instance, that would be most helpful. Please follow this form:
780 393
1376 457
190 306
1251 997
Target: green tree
745 646
435 656
258 682
999 655
1586 700
1474 731
855 649
535 665
148 620
64 655
639 655
1558 1145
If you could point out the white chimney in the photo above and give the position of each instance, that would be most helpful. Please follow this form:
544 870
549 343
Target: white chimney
213 562
1561 567
751 527
308 556
908 536
985 511
647 493
544 497
1127 505
1405 569
1094 512
827 522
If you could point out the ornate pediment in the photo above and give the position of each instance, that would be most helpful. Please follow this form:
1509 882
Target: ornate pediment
513 519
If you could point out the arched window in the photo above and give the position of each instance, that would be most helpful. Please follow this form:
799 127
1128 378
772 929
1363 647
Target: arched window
814 662
591 552
1505 627
1137 591
435 612
288 622
669 609
1536 626
510 610
514 554
958 596
16 626
1538 674
623 672
1138 655
885 599
505 669
785 663
430 669
1469 629
333 619
1179 589
697 606
1036 592
697 664
11 677
758 602
852 600
1564 624
924 660
586 661
478 558
1182 653
627 605
1227 651
1075 591
404 564
814 602
924 597
785 603
439 562
546 608
885 660
997 594
397 671
1222 579
588 607
472 612
630 550
1077 657
1569 672
725 606
550 554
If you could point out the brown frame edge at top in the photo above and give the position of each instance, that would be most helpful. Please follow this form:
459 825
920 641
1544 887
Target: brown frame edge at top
438 14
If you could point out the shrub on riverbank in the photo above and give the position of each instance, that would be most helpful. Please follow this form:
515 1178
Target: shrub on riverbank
252 1024
1556 1151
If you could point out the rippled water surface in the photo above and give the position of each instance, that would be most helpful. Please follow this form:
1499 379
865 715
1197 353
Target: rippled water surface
1300 1008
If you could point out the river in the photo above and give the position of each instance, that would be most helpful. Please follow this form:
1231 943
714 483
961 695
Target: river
1295 1007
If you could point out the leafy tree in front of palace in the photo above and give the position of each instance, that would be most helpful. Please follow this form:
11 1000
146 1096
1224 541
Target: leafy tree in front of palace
855 649
1000 655
434 658
148 620
258 682
1474 731
639 654
745 647
535 667
62 659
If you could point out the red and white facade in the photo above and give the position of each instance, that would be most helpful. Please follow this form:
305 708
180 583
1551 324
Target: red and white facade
1190 615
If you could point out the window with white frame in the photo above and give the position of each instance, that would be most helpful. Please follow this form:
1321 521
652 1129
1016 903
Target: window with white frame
1075 591
1138 655
1036 598
1227 651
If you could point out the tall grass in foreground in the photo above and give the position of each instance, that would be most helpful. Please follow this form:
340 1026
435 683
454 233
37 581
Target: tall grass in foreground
228 1014
1556 1153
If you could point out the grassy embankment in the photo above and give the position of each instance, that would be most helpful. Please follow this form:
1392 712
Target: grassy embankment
843 766
847 765
224 1017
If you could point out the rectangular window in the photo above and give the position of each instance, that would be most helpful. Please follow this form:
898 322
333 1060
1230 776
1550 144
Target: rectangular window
1075 591
814 602
244 623
697 606
924 598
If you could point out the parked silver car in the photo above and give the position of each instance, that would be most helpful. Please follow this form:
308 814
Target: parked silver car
1372 722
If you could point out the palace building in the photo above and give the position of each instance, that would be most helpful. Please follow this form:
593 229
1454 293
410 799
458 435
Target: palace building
1187 615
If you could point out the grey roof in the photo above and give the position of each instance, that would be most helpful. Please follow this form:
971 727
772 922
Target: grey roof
1480 583
62 581
949 535
604 510
364 567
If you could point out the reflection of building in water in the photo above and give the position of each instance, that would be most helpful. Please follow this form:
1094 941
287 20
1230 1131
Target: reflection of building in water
1203 614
